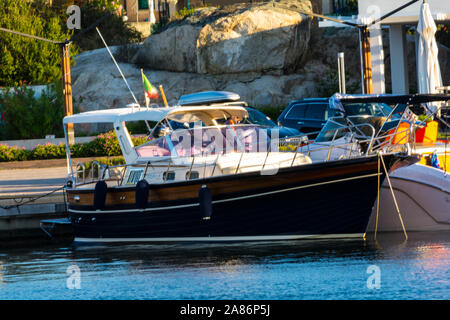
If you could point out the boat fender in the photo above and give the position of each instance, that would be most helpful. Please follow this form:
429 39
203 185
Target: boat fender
205 200
100 195
142 188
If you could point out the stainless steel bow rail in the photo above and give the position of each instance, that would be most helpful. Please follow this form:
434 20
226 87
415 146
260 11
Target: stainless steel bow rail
373 145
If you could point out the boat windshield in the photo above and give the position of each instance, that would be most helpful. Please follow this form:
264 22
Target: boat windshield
361 126
376 109
334 128
207 141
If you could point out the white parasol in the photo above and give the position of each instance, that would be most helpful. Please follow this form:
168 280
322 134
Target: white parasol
428 70
152 18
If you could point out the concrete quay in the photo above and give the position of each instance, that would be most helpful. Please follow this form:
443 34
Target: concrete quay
27 197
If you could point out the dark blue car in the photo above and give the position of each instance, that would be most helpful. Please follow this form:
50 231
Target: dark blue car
310 115
259 118
306 115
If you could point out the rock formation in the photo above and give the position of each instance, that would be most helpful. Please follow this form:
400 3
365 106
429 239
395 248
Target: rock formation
266 53
263 38
253 50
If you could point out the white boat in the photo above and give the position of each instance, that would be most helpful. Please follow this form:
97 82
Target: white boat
422 191
423 196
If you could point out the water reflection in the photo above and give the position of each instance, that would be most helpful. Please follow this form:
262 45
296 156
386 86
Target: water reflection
1 272
319 269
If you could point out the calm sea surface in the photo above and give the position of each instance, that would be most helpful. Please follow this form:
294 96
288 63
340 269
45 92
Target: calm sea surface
338 269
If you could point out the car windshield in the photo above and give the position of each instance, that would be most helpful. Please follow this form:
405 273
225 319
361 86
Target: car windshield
259 118
370 109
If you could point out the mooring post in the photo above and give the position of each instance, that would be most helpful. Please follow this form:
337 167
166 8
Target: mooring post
341 72
366 62
67 89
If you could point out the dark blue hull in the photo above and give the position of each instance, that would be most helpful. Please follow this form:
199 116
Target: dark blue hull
335 200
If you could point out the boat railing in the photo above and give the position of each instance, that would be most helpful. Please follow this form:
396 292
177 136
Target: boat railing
304 140
193 163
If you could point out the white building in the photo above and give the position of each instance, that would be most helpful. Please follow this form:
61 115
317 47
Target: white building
368 10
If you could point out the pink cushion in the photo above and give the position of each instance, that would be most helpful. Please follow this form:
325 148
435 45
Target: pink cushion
152 151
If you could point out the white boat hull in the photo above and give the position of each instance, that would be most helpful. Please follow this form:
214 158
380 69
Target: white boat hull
423 197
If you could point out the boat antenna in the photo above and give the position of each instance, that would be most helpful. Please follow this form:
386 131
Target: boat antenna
115 62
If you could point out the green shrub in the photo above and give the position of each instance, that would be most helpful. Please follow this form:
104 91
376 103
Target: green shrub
138 140
183 13
26 117
105 144
8 153
24 59
49 151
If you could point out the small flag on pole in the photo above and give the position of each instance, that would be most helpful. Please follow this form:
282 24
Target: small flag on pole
150 91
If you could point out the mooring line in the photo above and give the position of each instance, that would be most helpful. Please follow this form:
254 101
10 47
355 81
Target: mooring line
393 195
378 198
30 200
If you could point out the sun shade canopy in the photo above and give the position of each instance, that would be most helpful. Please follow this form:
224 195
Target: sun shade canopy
179 114
338 99
391 98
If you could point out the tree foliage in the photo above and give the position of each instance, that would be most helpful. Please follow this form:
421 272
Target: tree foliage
114 29
25 116
24 59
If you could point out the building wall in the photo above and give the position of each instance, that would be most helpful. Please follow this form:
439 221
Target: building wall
176 5
135 15
439 8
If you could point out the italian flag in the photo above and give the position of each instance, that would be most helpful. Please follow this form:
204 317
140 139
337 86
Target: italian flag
150 91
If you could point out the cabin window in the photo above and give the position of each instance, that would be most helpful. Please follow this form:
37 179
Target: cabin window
169 176
192 175
134 176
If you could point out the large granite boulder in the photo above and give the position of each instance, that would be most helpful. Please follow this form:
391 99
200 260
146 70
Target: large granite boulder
263 38
93 90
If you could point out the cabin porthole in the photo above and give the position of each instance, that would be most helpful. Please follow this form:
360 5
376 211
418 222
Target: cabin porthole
192 175
169 176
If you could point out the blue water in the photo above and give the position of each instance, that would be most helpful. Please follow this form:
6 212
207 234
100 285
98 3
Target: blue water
338 269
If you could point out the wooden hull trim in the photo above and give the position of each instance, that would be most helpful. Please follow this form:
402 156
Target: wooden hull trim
226 200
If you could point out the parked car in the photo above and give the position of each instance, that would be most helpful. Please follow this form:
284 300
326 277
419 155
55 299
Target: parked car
310 115
259 118
306 115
